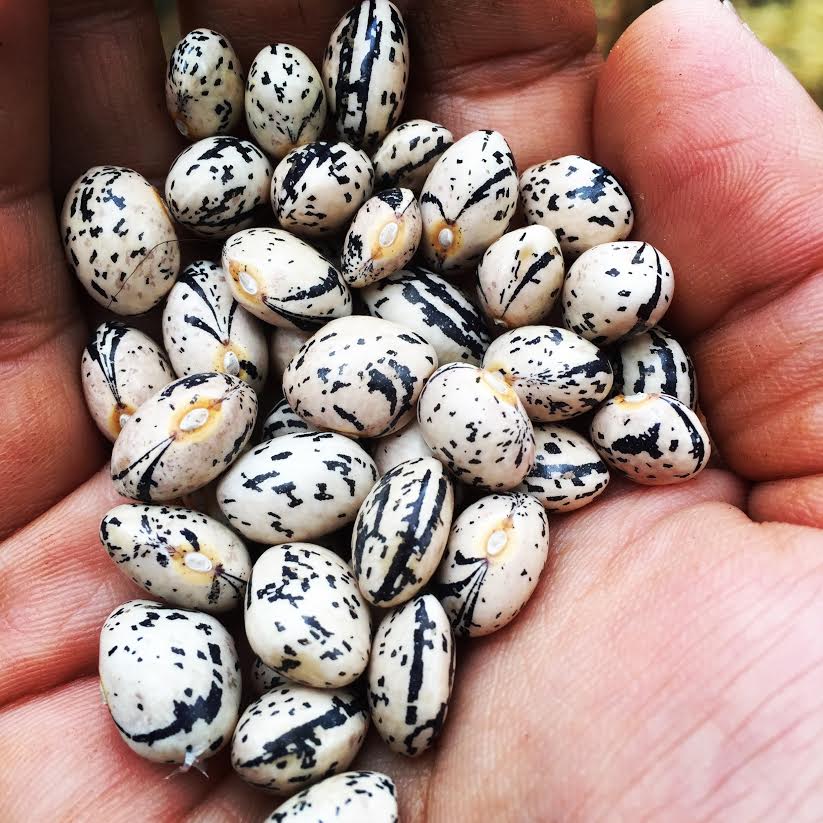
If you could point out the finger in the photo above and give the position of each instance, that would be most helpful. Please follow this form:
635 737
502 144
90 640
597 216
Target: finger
67 736
107 90
761 384
249 26
721 149
233 801
57 585
526 68
799 501
49 441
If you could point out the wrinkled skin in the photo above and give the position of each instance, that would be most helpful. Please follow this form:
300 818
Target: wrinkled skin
670 665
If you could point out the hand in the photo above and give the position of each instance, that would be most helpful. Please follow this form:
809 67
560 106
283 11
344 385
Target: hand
670 664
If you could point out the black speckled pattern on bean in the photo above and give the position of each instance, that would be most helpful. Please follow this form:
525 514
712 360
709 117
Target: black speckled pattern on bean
401 531
581 202
285 100
180 555
468 201
284 281
351 797
305 616
434 308
520 277
282 420
171 680
296 487
382 238
359 376
411 674
476 425
120 368
317 188
205 329
204 85
655 363
154 459
365 72
557 374
408 153
568 473
295 735
617 290
495 555
119 239
652 439
218 185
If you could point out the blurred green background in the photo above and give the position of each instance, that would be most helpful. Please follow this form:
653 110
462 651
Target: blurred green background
793 29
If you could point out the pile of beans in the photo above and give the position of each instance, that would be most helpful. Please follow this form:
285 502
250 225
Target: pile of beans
448 379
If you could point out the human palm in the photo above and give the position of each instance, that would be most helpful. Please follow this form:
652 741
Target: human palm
670 664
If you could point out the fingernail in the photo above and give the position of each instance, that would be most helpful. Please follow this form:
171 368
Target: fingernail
727 4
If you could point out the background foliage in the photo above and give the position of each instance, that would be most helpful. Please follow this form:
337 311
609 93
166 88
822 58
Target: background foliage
793 29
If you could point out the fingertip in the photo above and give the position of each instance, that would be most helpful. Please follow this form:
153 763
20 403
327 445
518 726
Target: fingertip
798 501
717 143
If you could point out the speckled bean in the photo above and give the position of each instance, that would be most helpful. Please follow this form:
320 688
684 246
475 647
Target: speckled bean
408 153
119 239
305 617
401 531
295 735
284 281
204 328
216 186
557 374
282 420
183 436
285 100
120 368
495 555
171 680
178 554
382 238
617 290
410 675
568 473
652 439
317 188
434 308
581 202
204 85
365 72
468 201
475 424
351 797
359 376
520 277
655 363
296 487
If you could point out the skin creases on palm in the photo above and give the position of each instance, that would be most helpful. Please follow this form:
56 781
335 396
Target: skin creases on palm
670 664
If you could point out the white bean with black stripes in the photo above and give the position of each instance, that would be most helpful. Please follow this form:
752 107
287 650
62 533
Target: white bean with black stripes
434 308
206 329
120 368
218 186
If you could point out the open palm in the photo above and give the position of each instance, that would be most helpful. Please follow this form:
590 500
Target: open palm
670 665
